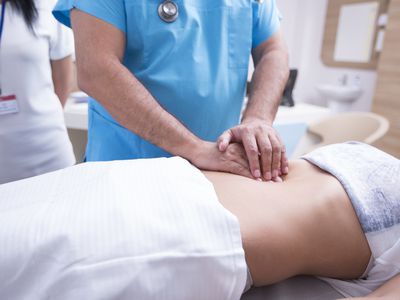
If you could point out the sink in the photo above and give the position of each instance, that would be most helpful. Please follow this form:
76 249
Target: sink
341 93
340 98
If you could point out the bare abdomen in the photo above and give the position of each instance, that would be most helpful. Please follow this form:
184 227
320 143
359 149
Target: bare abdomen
305 225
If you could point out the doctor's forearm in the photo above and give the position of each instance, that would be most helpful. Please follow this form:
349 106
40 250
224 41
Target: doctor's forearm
102 75
129 102
269 79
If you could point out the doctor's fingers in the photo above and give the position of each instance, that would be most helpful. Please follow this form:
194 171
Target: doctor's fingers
224 140
283 168
232 135
284 161
276 154
265 147
250 145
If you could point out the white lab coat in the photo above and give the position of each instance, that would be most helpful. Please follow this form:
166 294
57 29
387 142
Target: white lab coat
34 140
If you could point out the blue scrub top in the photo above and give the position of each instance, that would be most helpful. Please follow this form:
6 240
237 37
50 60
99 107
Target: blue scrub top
195 67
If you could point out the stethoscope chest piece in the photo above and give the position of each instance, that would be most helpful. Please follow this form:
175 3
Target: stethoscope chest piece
168 11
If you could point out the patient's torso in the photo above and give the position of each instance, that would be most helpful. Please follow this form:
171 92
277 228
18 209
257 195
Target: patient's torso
305 183
307 217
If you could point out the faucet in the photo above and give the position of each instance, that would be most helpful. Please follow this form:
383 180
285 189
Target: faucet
344 79
357 81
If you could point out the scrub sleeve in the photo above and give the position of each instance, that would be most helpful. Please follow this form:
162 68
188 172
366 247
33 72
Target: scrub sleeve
110 11
266 21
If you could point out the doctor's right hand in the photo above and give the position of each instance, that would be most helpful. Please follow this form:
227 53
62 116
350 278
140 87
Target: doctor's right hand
206 156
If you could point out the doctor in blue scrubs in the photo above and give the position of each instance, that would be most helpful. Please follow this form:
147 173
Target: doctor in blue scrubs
169 78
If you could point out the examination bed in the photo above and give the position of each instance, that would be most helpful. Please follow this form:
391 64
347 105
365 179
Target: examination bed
60 238
66 232
297 288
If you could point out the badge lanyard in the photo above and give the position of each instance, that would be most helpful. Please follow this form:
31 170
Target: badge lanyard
8 103
3 14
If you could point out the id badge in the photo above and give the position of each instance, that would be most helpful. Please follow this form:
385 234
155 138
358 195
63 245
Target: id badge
8 104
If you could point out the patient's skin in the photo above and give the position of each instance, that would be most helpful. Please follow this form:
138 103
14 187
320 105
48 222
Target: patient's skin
304 225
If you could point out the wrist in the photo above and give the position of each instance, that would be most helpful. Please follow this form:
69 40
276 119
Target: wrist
190 149
260 109
252 119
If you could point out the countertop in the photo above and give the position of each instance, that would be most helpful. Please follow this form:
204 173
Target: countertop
76 116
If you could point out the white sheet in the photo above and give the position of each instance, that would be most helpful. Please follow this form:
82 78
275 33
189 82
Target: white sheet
296 288
145 229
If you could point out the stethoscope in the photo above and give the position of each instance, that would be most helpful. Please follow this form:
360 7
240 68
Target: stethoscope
168 11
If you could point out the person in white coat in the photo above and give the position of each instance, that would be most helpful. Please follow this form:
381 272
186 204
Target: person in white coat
35 80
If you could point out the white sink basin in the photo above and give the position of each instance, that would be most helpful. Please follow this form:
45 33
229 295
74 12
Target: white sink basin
340 93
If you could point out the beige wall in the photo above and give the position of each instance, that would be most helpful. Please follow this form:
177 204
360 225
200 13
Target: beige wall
387 98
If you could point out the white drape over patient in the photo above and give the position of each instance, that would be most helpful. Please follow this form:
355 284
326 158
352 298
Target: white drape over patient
371 179
146 229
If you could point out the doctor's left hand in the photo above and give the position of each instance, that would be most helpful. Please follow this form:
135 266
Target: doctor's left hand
206 156
265 151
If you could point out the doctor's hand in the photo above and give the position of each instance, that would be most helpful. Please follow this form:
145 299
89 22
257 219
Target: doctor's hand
265 151
206 156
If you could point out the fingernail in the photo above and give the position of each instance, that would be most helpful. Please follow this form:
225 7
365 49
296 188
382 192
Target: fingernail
268 176
257 174
286 170
259 179
274 173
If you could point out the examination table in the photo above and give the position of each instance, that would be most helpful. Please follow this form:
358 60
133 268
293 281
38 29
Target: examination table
297 288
